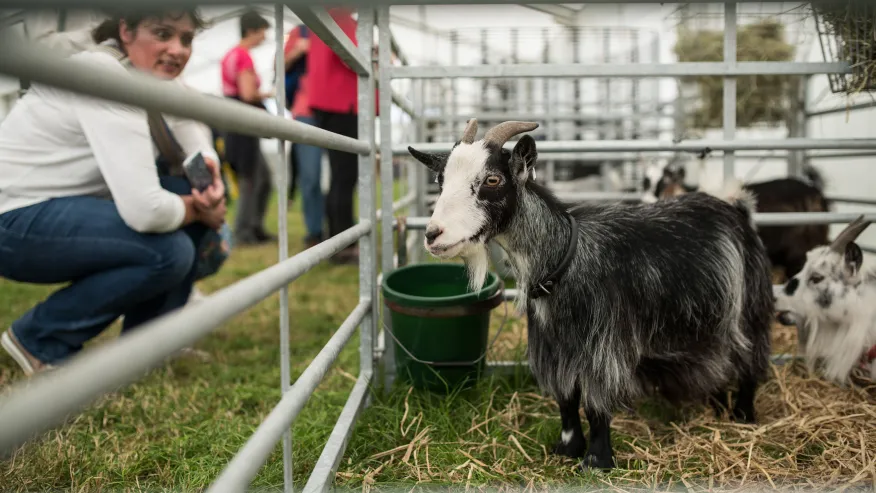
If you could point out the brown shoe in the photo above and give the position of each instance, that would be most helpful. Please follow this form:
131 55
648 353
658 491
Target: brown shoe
28 362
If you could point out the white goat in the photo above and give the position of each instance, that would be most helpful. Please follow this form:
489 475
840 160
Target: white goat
833 302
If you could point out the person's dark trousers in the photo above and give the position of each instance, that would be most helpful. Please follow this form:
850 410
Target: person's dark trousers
344 170
254 185
112 269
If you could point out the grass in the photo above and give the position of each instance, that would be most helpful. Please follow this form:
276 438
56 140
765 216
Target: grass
179 426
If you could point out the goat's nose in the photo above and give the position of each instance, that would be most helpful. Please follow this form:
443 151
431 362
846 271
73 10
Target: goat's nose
433 232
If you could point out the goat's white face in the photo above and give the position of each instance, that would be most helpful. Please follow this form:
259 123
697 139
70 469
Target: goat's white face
479 182
459 218
825 289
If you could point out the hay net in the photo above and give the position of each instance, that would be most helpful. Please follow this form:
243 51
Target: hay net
847 33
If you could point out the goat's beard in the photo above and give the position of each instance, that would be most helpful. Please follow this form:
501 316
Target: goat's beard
477 262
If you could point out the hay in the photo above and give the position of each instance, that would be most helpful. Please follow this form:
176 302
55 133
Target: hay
811 435
759 98
852 25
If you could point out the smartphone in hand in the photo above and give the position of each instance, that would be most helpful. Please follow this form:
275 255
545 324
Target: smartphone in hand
197 172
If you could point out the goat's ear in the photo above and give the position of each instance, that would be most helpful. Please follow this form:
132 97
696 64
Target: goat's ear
853 258
523 157
434 162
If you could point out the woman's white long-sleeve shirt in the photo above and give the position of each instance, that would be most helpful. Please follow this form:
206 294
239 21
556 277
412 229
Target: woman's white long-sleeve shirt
56 143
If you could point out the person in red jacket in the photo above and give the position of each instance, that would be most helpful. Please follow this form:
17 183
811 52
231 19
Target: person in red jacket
333 92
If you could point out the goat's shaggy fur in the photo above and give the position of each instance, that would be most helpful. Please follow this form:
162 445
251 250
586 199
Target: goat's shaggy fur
833 303
786 245
673 297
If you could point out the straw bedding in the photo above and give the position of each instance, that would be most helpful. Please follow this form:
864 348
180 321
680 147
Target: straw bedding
811 435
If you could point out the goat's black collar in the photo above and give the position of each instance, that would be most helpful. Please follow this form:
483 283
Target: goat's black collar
546 285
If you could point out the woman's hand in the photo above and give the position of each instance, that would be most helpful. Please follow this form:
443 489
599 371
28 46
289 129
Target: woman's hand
215 193
213 217
218 187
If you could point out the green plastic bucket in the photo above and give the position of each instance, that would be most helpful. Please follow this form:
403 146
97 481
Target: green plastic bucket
440 328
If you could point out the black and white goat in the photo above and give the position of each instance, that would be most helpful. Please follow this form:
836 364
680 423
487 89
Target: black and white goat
833 302
621 299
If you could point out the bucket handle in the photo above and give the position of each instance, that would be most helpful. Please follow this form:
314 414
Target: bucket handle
494 300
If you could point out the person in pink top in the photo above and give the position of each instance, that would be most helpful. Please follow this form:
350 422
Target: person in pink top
241 82
305 160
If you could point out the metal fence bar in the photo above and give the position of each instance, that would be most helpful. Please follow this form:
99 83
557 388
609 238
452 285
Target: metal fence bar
405 201
729 100
28 61
404 104
386 181
323 474
868 249
239 473
400 204
48 399
760 218
591 117
694 146
607 70
283 234
797 218
852 200
825 155
842 109
398 51
324 26
367 192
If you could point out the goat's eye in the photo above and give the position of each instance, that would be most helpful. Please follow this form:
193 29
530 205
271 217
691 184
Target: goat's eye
816 278
492 181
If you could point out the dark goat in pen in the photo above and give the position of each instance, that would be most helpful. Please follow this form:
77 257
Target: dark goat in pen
621 299
786 245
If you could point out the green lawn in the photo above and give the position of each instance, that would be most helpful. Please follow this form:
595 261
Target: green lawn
178 427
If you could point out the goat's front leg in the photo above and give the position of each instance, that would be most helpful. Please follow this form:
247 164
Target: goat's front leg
572 442
600 454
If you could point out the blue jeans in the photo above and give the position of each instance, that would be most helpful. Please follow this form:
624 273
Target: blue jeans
112 269
308 166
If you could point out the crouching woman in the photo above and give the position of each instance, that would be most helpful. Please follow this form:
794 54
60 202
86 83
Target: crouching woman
82 200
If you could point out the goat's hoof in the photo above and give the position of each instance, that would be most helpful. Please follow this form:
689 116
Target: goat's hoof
574 449
743 416
592 462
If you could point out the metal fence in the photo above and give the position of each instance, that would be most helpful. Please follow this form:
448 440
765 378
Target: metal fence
49 399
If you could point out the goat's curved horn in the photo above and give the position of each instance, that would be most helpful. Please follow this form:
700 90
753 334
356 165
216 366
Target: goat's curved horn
502 132
470 131
848 235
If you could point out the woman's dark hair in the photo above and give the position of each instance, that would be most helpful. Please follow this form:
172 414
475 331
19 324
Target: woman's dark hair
109 29
252 21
